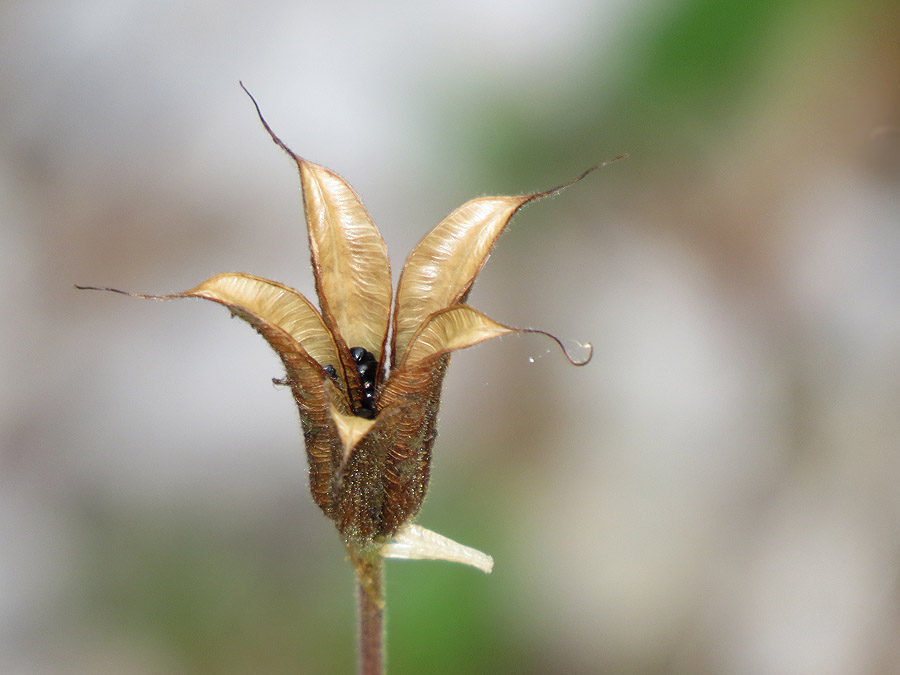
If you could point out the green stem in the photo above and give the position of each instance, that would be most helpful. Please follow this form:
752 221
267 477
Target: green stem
370 577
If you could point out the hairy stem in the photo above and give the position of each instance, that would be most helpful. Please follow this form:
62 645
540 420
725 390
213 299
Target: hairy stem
370 575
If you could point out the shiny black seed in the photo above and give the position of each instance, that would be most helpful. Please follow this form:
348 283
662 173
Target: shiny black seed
330 371
367 369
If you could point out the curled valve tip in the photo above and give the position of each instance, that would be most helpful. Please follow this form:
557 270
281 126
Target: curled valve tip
569 358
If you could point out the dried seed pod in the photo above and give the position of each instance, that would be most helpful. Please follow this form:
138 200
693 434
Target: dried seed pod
369 429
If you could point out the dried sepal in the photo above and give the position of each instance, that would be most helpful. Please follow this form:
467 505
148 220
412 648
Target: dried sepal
413 542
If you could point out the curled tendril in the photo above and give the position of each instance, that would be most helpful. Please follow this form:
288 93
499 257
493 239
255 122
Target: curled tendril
566 354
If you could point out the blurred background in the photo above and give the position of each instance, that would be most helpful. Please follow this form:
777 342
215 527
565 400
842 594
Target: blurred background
717 492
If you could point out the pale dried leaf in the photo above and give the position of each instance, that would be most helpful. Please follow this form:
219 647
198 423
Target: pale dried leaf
413 542
350 261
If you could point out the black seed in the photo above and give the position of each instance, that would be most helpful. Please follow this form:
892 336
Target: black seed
330 371
367 370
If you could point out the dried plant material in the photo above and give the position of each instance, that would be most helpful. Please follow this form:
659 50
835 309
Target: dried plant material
350 262
275 304
450 329
413 542
441 269
370 427
350 428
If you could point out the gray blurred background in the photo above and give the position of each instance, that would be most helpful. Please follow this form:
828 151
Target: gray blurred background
717 492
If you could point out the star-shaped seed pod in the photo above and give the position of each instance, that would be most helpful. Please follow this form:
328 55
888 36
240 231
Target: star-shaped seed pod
369 410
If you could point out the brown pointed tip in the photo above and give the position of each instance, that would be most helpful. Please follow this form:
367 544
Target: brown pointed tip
130 295
624 155
265 124
581 176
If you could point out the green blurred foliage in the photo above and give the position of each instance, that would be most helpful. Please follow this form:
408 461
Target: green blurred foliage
217 597
680 80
